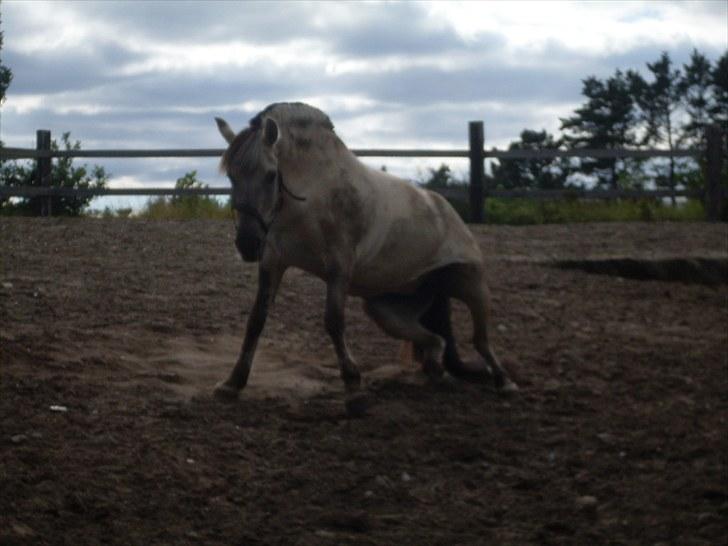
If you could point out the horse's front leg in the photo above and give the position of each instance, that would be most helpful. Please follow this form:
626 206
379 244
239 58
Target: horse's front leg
268 282
336 289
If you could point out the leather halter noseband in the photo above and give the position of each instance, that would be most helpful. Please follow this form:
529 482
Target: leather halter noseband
253 212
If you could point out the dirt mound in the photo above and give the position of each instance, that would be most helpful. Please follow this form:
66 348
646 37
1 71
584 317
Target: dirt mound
709 271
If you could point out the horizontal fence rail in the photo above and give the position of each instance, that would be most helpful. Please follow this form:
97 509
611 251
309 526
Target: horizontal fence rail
452 192
476 192
28 153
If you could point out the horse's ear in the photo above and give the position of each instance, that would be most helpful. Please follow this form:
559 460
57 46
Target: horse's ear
270 132
225 130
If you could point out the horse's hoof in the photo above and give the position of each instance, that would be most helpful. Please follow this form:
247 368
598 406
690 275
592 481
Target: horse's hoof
433 371
226 393
357 405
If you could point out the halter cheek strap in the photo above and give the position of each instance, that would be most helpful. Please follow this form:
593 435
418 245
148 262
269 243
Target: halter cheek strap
282 186
253 212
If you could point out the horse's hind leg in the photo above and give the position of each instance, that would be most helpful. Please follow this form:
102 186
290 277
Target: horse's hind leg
437 320
398 315
468 285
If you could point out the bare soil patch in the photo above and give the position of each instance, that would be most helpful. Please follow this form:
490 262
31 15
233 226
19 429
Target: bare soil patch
112 334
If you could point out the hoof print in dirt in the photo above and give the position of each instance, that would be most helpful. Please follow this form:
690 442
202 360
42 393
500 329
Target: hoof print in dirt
226 393
357 405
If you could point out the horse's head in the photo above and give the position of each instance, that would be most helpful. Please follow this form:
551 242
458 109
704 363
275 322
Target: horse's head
251 164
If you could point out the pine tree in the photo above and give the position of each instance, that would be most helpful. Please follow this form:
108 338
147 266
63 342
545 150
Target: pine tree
695 91
547 174
719 115
658 101
719 84
606 121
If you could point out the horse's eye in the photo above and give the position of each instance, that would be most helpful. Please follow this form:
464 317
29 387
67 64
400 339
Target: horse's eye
270 177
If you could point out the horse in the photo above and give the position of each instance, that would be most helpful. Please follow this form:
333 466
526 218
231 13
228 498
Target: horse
302 199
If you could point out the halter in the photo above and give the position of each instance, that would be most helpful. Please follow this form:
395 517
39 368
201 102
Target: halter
253 212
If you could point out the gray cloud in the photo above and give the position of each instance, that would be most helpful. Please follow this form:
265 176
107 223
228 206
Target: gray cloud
195 22
56 71
399 29
452 81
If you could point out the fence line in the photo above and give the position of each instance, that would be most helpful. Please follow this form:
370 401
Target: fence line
29 153
475 192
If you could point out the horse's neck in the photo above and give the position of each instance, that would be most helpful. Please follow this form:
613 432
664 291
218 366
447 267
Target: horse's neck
323 169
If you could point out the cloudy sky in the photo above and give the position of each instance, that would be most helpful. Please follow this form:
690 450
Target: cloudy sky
154 74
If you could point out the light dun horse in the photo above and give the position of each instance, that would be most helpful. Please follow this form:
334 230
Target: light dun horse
302 199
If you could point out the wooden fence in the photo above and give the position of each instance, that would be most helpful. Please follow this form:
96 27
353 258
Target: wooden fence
475 193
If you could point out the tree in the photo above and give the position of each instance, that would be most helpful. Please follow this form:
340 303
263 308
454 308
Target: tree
658 101
719 114
695 91
547 174
439 178
6 76
606 120
719 84
63 175
185 207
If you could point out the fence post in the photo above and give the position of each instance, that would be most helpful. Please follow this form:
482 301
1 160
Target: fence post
43 174
713 168
477 172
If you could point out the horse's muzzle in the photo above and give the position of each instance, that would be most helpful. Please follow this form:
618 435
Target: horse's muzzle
250 248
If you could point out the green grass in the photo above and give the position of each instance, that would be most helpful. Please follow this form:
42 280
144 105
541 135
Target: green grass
497 211
184 208
527 211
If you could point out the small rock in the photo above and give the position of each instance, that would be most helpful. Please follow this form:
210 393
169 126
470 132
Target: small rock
606 438
169 377
190 461
61 409
369 493
406 477
7 286
587 504
18 438
707 517
22 530
502 328
552 385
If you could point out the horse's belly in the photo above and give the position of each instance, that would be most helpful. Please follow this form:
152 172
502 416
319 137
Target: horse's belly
402 261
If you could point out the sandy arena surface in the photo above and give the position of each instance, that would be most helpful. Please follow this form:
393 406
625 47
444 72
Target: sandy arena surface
113 333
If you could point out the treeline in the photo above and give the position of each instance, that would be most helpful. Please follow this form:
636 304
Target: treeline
668 108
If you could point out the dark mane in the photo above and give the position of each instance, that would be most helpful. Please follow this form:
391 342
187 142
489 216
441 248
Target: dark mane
293 114
245 149
243 152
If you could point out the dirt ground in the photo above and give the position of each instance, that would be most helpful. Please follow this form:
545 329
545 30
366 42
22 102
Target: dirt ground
113 333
